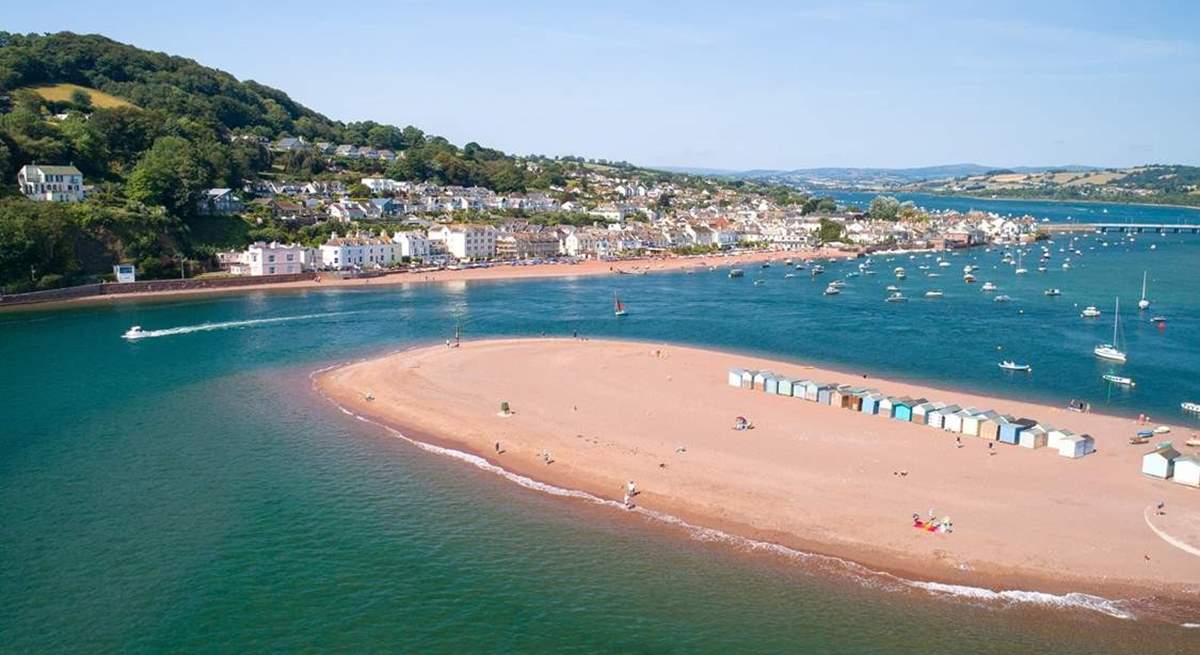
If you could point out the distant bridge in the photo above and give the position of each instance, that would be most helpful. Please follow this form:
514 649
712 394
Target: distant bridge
1128 228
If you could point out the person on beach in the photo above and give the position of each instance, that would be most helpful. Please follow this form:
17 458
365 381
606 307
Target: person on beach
991 447
497 447
1161 510
631 489
958 442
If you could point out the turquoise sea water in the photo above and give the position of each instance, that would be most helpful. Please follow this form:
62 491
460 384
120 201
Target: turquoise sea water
189 493
1055 212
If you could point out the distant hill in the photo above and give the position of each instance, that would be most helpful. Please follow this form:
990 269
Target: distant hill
830 176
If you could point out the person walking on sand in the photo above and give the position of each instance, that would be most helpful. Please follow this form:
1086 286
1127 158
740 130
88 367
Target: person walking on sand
631 489
497 447
1161 509
958 442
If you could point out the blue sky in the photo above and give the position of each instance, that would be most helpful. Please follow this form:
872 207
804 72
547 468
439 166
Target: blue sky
723 85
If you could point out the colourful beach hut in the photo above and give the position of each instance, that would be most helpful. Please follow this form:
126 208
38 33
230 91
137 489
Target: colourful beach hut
870 403
989 428
1010 431
853 400
837 394
1160 462
1076 445
902 408
748 379
1187 470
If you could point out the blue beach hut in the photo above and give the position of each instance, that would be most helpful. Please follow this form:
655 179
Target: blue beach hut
870 403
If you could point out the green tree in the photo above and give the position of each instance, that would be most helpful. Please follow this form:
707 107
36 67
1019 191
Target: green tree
81 99
830 231
169 175
884 208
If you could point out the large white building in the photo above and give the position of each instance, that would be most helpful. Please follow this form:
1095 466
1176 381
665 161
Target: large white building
53 183
466 241
274 259
413 245
359 251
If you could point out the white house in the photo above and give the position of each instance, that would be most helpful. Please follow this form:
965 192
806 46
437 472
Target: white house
272 259
412 244
466 241
53 183
1160 462
359 251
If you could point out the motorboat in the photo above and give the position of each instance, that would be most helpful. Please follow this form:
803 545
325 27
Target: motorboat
900 274
1052 292
1117 379
934 293
1010 365
989 286
817 269
1190 407
896 297
968 278
832 290
736 272
1001 298
1090 312
788 275
759 282
1159 320
135 332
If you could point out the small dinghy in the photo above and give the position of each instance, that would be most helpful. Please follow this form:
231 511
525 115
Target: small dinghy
1009 365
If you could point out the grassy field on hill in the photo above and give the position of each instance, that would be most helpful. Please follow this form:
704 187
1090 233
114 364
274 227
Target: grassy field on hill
62 93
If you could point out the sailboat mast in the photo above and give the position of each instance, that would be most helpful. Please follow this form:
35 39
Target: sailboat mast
1143 285
1116 320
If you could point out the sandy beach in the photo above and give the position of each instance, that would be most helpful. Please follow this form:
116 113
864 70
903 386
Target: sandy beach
631 266
808 476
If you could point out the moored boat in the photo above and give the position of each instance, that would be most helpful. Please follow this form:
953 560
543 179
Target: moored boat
1090 312
736 272
1111 351
1010 365
1052 292
1119 380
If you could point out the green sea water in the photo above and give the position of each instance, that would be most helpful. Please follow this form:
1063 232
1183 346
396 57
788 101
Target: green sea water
190 493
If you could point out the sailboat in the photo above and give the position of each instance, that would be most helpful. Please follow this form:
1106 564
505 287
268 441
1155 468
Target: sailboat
1110 350
1020 269
1143 303
618 306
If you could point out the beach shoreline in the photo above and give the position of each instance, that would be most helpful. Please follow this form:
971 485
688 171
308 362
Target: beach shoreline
723 494
497 272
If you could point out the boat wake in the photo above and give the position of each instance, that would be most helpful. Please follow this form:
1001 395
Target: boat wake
207 327
863 575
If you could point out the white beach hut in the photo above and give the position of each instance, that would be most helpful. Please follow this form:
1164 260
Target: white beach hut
937 418
1055 435
799 388
784 386
810 390
1076 445
953 422
884 408
1160 462
1187 470
771 383
1034 437
735 377
970 421
748 379
920 413
760 379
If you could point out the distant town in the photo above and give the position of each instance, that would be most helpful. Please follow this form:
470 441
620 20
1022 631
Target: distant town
378 223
